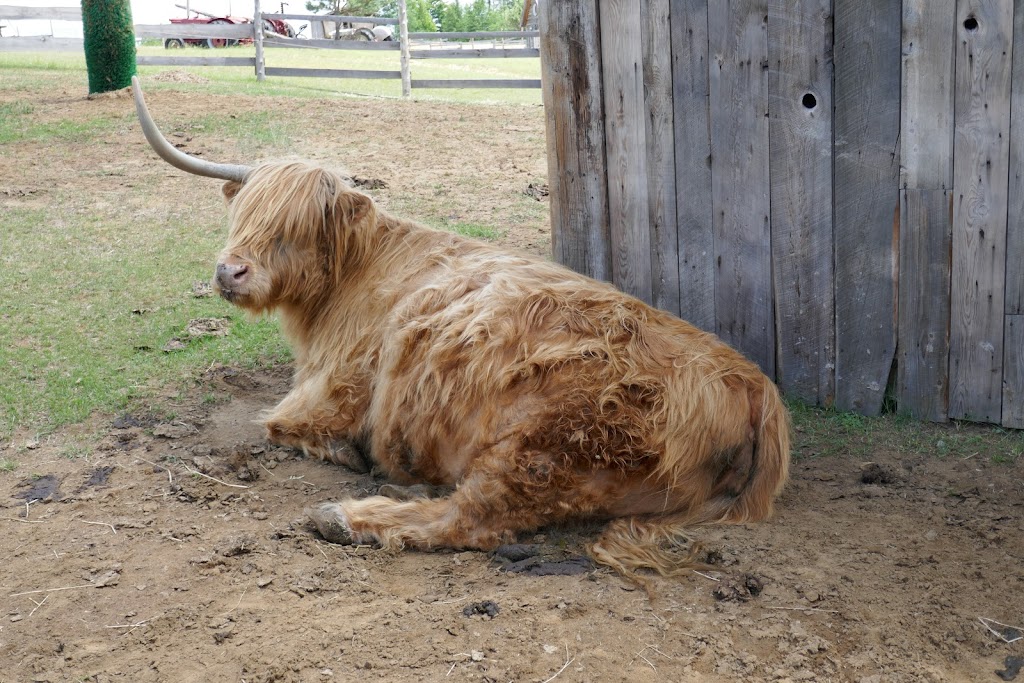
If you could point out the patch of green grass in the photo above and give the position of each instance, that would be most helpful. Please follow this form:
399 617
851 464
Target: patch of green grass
821 432
475 230
212 399
12 121
17 125
75 451
8 465
256 132
69 130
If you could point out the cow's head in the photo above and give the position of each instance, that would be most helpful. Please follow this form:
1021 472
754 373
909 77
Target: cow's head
295 227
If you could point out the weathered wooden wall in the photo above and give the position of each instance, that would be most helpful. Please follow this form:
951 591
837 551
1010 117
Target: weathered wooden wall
835 187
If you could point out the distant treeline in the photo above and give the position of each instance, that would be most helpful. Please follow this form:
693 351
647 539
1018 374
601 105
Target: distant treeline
434 15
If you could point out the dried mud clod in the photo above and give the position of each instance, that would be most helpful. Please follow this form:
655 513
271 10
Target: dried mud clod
539 560
44 489
740 588
234 546
486 608
538 191
97 477
1011 667
875 474
127 421
368 183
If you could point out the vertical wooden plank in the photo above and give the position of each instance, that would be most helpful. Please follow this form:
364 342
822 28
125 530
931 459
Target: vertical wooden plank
926 134
573 104
926 150
1013 373
866 223
800 129
660 150
1015 218
1013 377
257 39
403 60
980 179
738 87
1013 334
694 215
625 148
922 383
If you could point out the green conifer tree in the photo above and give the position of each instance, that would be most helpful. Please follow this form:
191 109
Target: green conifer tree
420 19
109 44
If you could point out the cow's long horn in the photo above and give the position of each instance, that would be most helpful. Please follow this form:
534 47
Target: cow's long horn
176 158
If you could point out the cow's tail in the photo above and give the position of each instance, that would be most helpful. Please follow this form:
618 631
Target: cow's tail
663 544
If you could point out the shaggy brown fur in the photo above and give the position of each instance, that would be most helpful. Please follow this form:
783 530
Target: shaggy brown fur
539 394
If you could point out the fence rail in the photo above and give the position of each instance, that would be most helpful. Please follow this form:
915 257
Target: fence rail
476 83
298 72
327 44
40 13
384 21
40 44
203 31
462 53
159 60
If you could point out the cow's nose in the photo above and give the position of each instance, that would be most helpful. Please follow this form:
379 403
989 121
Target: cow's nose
230 275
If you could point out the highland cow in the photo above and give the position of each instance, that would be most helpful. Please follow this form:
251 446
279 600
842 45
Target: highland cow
540 395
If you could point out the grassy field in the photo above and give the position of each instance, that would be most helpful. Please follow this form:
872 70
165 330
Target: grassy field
92 286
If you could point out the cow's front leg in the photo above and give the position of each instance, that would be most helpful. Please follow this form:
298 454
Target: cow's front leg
317 428
501 495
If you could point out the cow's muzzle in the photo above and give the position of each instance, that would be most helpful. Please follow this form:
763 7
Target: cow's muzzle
230 277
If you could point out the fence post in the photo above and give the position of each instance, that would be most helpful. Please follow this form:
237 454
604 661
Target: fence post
403 36
257 39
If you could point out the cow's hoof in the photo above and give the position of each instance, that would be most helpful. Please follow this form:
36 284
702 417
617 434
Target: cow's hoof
346 454
330 522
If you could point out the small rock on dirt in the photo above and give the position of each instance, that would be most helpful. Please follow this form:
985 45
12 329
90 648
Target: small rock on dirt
233 546
109 578
487 608
173 431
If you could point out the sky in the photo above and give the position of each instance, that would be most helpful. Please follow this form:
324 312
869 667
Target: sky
143 12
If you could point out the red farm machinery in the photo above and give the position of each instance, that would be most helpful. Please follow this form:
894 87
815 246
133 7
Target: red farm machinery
195 16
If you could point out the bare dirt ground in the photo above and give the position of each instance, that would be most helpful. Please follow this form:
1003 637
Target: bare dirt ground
176 551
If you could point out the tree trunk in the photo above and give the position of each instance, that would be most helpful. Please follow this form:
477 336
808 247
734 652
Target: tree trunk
109 44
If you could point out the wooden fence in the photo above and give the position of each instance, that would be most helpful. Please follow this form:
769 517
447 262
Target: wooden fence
836 187
254 31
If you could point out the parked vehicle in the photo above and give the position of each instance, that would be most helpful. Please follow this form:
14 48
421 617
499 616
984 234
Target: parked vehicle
271 25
